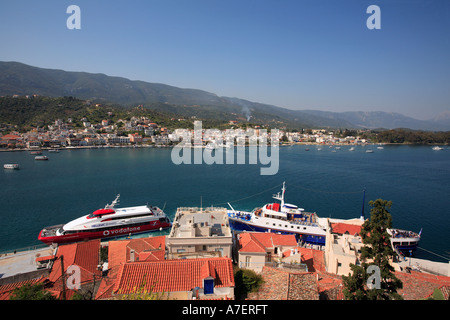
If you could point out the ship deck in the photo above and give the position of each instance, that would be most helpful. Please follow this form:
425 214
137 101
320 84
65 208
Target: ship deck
51 231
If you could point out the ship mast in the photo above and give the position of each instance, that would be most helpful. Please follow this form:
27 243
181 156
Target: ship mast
362 209
280 197
111 206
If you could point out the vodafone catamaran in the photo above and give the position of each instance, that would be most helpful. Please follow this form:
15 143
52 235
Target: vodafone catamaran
107 223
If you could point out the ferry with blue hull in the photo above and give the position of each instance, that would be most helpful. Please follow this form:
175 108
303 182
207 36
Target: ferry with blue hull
283 218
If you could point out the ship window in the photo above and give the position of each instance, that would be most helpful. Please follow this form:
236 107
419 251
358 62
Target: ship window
304 228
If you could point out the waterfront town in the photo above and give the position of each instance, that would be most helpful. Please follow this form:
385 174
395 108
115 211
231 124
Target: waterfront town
143 132
201 258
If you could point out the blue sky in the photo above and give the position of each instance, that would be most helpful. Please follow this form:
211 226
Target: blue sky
298 54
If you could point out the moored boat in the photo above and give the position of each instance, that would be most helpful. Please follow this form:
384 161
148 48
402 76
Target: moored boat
41 158
13 166
280 218
108 222
308 227
404 240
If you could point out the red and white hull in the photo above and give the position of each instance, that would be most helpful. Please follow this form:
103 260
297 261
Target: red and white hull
107 223
103 234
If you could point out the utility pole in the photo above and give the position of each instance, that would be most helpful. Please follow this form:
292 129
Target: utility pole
63 279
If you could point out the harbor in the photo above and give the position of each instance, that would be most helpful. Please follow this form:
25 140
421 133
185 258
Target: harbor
204 203
203 237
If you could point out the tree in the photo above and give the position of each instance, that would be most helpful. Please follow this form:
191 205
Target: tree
378 250
31 292
246 281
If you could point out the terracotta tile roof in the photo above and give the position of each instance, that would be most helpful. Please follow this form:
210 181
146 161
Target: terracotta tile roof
83 254
330 286
314 259
145 249
249 243
7 289
261 242
105 289
342 228
419 285
173 275
282 285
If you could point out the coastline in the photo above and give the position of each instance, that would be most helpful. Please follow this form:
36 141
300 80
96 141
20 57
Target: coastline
170 146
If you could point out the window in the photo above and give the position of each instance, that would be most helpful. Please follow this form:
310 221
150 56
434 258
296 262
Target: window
247 261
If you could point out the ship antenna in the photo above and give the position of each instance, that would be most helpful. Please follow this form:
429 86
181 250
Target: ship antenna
362 208
116 200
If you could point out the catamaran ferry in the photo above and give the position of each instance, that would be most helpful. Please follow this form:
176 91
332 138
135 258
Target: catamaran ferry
107 223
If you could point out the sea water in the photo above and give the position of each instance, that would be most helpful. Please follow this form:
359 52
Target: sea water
73 183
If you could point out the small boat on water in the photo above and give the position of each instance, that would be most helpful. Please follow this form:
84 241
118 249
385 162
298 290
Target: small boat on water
36 152
351 149
41 158
13 166
369 151
54 150
437 148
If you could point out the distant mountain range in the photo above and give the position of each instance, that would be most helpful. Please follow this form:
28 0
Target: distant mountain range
21 79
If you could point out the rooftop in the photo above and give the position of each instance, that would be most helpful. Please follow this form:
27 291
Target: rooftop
22 262
174 275
193 222
260 242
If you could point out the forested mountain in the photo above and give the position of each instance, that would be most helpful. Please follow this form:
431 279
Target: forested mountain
21 79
